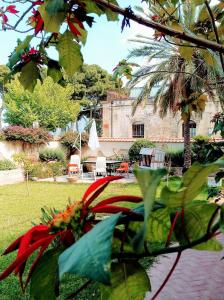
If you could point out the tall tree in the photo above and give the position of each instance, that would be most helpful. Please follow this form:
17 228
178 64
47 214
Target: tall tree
50 104
183 85
3 73
90 85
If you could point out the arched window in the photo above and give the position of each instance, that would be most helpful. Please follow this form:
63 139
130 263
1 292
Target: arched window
138 130
193 126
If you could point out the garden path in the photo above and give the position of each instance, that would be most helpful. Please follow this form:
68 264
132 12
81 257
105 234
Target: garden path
199 275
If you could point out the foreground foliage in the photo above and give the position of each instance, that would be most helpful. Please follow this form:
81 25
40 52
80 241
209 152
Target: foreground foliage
108 250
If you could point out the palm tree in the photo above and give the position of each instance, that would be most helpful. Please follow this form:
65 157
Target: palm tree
182 84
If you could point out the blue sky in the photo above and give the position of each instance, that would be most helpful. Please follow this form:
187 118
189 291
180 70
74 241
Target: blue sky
105 46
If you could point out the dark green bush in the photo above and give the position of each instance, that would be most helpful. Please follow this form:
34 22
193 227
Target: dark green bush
136 147
206 151
52 154
175 158
70 139
6 164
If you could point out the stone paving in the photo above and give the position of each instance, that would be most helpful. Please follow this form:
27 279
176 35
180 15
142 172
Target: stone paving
88 178
199 275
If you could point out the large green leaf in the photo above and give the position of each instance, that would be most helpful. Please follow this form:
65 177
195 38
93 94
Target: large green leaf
158 226
90 255
192 182
196 220
20 48
29 75
54 70
128 282
45 277
70 57
92 7
54 73
55 6
148 181
24 44
52 23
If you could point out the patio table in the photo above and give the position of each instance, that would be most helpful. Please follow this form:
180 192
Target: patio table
111 164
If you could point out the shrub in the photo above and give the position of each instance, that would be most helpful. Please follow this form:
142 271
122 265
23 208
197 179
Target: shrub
204 151
46 170
57 168
70 138
29 135
52 154
41 170
24 161
6 164
176 157
2 136
136 147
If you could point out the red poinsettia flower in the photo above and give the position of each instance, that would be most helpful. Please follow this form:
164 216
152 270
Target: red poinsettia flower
41 236
12 9
36 21
73 22
155 18
4 18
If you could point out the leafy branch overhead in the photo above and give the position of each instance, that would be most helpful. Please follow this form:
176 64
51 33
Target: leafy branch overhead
63 25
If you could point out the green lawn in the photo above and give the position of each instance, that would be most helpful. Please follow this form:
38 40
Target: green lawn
18 211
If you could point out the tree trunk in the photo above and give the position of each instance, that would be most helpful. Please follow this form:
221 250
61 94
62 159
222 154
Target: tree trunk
187 145
1 111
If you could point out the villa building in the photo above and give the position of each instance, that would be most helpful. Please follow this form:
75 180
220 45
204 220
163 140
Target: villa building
118 121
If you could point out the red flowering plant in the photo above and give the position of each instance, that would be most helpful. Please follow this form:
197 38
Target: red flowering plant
108 249
10 9
67 226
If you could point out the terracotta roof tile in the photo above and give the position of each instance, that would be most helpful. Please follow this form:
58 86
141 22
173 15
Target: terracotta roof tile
152 139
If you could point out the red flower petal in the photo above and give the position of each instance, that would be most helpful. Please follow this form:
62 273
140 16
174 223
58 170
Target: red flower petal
125 198
39 24
12 9
110 209
78 22
23 257
73 29
38 2
42 249
88 197
13 246
35 233
5 19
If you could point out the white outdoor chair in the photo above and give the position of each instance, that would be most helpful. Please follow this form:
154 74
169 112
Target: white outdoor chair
74 166
101 166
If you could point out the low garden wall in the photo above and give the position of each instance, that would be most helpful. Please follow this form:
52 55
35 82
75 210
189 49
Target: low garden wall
9 148
11 176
